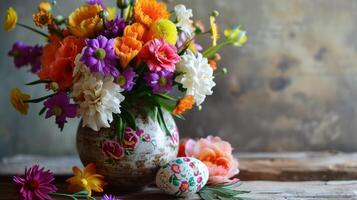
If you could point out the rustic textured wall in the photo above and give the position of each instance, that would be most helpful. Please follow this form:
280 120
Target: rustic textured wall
292 87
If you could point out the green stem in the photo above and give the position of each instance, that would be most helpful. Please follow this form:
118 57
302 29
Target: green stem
32 29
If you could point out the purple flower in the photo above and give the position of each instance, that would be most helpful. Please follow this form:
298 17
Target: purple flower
24 54
36 183
109 197
126 79
93 2
60 107
99 56
114 28
160 81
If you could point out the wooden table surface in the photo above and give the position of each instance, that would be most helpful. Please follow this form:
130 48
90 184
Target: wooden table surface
288 176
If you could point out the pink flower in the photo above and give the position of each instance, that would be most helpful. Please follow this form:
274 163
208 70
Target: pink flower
175 137
175 168
184 186
147 138
217 155
159 55
36 183
199 179
113 149
131 138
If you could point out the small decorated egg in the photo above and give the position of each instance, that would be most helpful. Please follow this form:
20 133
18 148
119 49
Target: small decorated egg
182 177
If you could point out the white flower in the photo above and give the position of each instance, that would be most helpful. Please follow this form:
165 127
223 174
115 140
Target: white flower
98 97
196 76
183 19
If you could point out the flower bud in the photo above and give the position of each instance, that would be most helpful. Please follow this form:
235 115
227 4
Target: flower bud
53 86
122 4
215 13
103 14
224 70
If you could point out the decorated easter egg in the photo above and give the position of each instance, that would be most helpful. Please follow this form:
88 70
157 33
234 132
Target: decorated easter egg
182 177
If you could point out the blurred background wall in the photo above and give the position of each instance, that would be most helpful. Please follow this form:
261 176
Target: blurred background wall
292 87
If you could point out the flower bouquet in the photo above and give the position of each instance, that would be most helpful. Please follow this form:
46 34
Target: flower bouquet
125 71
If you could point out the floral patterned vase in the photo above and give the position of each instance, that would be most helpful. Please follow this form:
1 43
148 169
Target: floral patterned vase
133 164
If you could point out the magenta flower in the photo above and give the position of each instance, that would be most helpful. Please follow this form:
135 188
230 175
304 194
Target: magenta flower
60 107
35 184
99 56
109 197
126 79
114 28
93 2
112 149
159 55
160 81
24 54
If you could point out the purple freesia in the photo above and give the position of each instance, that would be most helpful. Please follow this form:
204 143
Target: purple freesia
126 79
24 54
160 81
93 2
59 106
114 28
109 197
100 57
36 183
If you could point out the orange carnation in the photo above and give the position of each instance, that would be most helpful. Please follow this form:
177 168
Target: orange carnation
58 60
183 105
135 30
148 11
85 21
126 48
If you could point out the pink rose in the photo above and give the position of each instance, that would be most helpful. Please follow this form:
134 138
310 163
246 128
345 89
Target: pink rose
217 155
113 149
131 139
184 186
159 55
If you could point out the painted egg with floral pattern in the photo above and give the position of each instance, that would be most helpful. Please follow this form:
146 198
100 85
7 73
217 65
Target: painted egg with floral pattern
182 177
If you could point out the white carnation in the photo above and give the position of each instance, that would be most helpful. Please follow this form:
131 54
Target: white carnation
196 76
97 95
184 21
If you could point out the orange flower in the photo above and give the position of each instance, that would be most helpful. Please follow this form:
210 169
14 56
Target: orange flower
135 30
148 11
213 64
87 180
85 21
126 48
183 105
58 60
42 18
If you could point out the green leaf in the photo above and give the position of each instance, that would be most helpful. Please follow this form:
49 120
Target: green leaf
153 113
83 192
119 126
223 191
39 82
164 104
129 118
42 111
180 117
38 100
165 96
161 120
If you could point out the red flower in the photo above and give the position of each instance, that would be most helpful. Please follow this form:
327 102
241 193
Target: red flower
159 55
113 149
175 168
184 186
131 138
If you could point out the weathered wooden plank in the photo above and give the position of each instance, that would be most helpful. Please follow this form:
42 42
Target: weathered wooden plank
304 166
292 166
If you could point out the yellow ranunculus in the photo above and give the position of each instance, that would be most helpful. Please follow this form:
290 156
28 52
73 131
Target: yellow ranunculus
45 6
214 30
164 28
111 13
17 99
10 19
237 36
85 21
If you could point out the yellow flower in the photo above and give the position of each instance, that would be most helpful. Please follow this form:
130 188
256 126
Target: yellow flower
165 29
237 36
87 180
148 11
17 99
42 18
85 21
45 6
214 30
10 19
111 13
